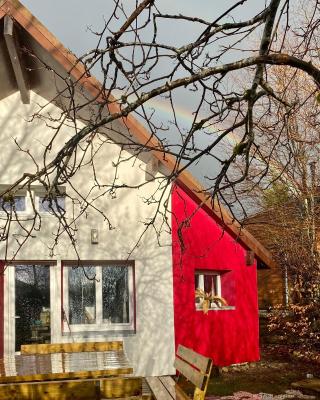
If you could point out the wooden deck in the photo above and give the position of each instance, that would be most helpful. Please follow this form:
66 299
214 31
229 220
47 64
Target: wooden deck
45 367
68 376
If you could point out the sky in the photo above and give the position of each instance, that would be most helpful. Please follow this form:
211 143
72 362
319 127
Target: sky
69 21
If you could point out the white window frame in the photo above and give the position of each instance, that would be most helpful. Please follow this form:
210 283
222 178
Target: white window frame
217 275
10 303
36 194
37 197
100 325
25 212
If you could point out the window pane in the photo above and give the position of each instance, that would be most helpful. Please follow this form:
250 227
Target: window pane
82 295
18 203
52 205
197 286
32 300
115 294
208 283
196 281
215 285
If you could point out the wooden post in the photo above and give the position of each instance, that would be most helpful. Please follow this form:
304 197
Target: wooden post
16 60
151 168
249 257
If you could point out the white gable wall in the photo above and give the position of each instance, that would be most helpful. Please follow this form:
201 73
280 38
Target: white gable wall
151 348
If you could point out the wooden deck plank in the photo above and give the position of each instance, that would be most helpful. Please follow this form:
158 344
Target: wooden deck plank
169 384
70 347
157 388
121 387
166 388
65 390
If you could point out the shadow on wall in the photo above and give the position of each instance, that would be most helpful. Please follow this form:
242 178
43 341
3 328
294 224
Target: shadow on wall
152 347
126 212
240 342
227 336
154 310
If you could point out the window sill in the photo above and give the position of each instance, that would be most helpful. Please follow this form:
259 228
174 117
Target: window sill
27 215
24 214
225 308
96 329
100 333
93 334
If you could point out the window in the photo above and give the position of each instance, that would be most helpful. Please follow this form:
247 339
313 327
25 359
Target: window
51 205
13 203
98 297
209 286
21 201
32 304
209 282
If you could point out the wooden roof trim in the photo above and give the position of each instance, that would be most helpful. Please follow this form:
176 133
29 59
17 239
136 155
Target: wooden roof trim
70 63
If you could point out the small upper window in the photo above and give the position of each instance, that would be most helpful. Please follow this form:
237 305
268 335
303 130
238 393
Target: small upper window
209 292
51 205
13 203
209 282
27 201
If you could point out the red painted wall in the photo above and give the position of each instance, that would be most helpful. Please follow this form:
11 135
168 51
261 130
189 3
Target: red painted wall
228 336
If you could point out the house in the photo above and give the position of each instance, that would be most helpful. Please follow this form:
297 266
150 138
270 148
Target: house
276 285
146 299
272 282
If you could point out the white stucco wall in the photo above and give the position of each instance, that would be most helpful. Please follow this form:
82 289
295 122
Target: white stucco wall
151 348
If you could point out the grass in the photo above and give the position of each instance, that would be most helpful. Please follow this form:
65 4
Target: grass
273 375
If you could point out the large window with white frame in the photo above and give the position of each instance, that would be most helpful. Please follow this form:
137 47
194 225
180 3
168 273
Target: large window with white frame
98 297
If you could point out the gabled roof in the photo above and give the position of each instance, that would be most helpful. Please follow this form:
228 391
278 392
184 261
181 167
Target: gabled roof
35 36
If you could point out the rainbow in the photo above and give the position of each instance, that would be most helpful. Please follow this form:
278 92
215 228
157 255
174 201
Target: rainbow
184 116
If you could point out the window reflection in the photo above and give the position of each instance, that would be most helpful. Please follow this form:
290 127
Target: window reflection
32 303
82 295
98 297
55 205
16 203
115 294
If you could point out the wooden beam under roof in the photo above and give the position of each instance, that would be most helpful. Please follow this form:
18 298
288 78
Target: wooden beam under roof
16 61
152 167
